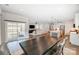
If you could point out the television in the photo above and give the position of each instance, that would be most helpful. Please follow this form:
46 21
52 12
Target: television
31 26
73 25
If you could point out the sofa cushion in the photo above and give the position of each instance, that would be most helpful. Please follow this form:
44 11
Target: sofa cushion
14 48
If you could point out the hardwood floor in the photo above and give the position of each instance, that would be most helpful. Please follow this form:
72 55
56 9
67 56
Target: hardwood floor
71 49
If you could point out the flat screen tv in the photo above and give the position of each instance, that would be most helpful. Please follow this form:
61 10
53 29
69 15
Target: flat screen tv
31 26
73 25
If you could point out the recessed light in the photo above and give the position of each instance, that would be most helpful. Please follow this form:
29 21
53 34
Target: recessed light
21 9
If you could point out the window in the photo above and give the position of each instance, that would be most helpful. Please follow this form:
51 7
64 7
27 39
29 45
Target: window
14 29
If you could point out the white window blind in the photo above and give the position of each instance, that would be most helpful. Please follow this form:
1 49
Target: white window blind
14 29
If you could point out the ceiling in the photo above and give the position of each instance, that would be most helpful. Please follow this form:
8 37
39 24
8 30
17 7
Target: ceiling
43 12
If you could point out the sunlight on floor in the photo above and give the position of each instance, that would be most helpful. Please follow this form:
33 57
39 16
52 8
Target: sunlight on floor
68 51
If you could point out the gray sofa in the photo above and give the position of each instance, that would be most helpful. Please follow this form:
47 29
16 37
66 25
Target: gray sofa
11 48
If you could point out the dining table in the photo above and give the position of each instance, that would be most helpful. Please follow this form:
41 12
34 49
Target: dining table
39 45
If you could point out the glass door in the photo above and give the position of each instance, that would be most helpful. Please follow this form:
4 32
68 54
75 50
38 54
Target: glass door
14 30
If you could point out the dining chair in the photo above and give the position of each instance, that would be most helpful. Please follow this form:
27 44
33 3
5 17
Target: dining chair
60 47
57 49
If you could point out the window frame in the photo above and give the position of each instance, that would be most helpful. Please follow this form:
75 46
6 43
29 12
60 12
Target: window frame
6 22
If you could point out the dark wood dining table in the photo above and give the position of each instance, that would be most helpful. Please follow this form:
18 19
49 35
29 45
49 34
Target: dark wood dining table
38 45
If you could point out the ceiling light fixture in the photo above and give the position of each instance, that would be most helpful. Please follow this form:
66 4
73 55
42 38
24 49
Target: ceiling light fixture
6 4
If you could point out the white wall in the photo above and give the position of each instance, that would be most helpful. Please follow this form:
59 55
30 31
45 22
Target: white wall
0 25
77 20
13 17
68 25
